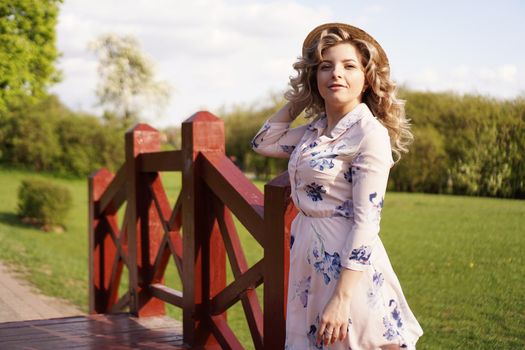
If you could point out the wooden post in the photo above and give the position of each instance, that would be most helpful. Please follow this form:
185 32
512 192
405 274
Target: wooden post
102 249
279 212
144 228
204 258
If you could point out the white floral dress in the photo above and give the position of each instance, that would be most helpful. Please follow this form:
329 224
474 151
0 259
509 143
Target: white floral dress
338 185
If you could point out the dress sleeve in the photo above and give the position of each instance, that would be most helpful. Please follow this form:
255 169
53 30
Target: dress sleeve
369 171
277 139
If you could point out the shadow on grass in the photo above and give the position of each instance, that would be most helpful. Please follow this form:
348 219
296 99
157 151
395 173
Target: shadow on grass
15 221
12 219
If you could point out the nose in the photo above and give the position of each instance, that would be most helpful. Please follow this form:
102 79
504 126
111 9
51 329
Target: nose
337 72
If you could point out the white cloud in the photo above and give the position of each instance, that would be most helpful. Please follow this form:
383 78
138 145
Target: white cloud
428 76
487 74
461 71
499 80
213 52
507 73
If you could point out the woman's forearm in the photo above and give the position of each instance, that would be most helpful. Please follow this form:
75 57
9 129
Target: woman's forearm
348 279
283 115
288 112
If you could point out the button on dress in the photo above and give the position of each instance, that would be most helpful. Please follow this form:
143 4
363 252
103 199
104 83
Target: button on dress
338 185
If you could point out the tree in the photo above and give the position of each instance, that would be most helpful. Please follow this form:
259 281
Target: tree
127 79
27 50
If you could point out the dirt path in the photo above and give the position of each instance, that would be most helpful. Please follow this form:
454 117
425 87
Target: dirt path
19 301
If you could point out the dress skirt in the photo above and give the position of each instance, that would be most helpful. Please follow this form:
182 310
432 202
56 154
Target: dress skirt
379 312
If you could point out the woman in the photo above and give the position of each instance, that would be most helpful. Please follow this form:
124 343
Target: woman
342 291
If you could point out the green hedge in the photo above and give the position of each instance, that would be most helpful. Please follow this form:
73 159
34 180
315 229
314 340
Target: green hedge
43 203
471 145
49 137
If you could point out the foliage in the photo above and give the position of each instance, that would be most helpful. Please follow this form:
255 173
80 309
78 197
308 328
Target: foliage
27 50
43 203
467 144
49 137
88 145
126 77
241 124
173 137
430 159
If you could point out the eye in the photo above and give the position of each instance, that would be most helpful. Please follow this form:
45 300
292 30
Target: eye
350 66
325 67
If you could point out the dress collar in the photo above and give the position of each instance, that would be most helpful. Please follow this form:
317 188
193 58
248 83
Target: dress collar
344 123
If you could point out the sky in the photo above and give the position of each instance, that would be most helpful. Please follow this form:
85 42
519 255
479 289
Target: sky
216 54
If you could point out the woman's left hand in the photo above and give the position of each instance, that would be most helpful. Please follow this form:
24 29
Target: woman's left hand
334 320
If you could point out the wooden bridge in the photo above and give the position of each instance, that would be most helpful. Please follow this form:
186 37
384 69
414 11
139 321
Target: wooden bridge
198 232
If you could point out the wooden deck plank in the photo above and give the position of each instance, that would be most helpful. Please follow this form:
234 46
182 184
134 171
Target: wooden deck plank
119 331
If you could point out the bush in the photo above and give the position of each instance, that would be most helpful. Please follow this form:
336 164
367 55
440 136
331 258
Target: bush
43 203
464 144
48 136
87 145
424 167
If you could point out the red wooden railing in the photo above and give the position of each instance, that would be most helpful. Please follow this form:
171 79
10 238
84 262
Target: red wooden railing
197 232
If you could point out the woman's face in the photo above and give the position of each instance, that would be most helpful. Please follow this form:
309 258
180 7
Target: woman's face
341 77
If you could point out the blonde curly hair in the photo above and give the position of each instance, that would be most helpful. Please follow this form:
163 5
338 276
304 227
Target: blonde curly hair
379 96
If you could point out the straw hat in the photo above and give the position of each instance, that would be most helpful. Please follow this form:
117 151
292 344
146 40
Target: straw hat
354 32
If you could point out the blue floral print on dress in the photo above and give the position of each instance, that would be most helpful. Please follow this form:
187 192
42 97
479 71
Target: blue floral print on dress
391 332
348 175
378 279
346 209
374 214
314 191
316 249
292 240
312 334
287 148
374 292
361 255
302 288
334 268
393 328
330 265
396 314
357 172
265 128
373 199
321 161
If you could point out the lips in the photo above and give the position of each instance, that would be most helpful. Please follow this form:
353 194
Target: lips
336 86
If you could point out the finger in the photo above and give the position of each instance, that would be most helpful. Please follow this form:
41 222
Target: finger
322 328
327 339
325 333
335 335
343 332
328 333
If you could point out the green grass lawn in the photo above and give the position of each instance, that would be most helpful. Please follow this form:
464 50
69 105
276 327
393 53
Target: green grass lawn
459 259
